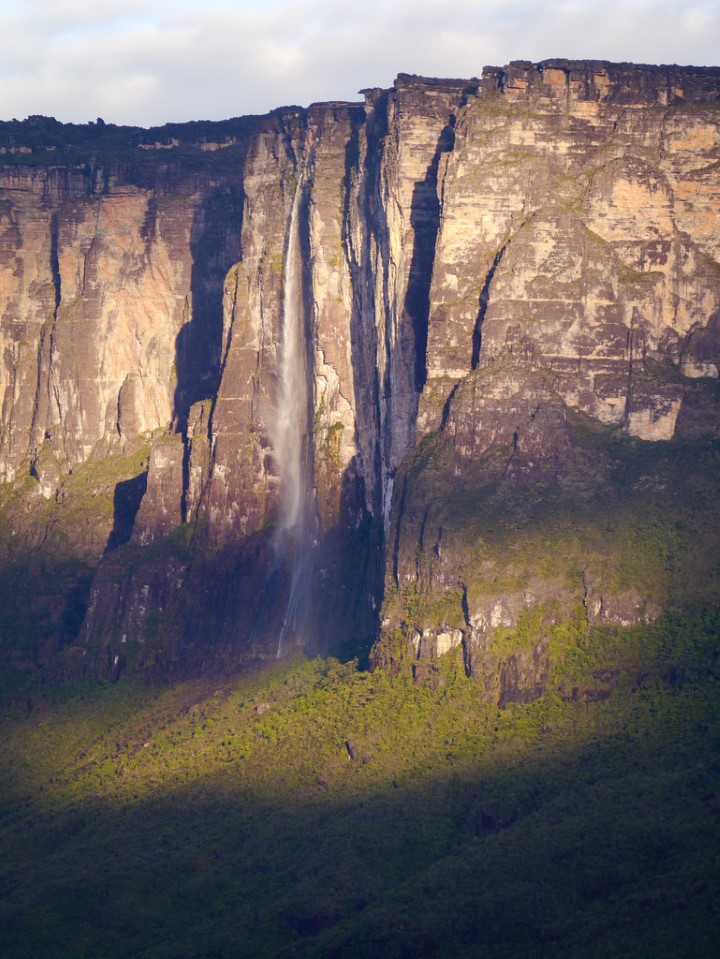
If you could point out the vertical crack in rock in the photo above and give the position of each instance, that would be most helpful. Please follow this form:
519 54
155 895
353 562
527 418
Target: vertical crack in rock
360 216
447 406
55 261
425 221
355 239
482 311
398 532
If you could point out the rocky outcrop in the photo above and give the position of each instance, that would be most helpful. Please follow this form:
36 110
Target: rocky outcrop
497 273
576 216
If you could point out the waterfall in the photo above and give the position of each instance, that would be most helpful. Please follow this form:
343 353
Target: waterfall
292 542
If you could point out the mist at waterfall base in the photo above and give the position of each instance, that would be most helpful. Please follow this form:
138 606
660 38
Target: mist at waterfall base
292 543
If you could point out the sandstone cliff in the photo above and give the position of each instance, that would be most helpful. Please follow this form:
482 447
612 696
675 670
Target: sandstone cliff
506 283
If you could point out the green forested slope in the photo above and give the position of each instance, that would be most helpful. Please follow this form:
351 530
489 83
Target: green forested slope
318 810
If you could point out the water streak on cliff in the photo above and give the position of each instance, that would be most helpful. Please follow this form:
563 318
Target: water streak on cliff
292 541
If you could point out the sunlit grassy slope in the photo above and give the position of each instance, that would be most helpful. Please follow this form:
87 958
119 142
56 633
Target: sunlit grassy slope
317 810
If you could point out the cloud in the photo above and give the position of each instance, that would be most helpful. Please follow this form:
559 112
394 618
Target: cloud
154 61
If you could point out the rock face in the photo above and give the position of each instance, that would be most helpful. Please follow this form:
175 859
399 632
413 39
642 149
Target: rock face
108 327
494 270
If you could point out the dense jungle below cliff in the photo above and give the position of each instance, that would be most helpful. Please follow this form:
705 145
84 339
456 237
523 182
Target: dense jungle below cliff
316 809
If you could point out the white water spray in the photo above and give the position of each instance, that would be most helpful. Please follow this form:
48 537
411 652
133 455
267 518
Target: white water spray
291 541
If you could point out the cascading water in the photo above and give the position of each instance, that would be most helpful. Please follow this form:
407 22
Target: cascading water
292 540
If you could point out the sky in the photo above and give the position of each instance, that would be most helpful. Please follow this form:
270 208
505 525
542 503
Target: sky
148 62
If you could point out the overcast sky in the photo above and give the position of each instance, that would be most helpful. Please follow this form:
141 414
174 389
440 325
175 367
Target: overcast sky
153 61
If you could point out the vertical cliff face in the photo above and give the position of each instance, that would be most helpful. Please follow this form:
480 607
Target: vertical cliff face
394 218
574 276
484 263
113 267
574 223
370 216
112 308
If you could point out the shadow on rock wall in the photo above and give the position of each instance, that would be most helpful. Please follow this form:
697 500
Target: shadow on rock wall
215 247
